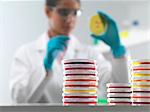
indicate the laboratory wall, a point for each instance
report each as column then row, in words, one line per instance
column 24, row 21
column 21, row 22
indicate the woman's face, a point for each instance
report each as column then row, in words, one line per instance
column 63, row 17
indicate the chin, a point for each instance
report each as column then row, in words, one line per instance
column 67, row 33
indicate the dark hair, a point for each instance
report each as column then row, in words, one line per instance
column 53, row 3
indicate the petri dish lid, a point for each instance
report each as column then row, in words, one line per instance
column 119, row 89
column 141, row 94
column 119, row 99
column 141, row 60
column 79, row 99
column 141, row 83
column 118, row 85
column 81, row 83
column 120, row 103
column 79, row 65
column 140, row 78
column 79, row 61
column 118, row 95
column 140, row 99
column 81, row 77
column 79, row 94
column 141, row 89
column 80, row 72
column 79, row 88
column 79, row 103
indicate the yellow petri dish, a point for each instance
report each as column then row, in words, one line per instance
column 97, row 25
column 136, row 63
column 140, row 62
column 147, row 75
column 140, row 86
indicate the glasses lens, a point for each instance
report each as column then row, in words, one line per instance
column 67, row 12
column 63, row 12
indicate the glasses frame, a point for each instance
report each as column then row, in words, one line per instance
column 74, row 12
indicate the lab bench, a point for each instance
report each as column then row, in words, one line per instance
column 60, row 108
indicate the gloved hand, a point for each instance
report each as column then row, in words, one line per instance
column 111, row 36
column 54, row 47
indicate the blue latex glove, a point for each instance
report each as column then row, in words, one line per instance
column 111, row 36
column 54, row 47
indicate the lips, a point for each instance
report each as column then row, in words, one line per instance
column 66, row 30
column 67, row 27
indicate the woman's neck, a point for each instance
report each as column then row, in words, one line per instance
column 52, row 33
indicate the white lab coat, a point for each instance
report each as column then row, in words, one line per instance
column 29, row 83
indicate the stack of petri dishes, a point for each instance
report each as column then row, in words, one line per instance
column 80, row 82
column 140, row 80
column 119, row 94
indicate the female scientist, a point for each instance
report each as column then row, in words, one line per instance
column 36, row 73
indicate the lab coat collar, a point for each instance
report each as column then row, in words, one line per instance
column 42, row 42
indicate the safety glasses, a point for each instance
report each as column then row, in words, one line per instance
column 64, row 12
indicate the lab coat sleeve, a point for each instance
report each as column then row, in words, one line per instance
column 26, row 84
column 120, row 69
column 104, row 69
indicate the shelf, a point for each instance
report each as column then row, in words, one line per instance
column 60, row 108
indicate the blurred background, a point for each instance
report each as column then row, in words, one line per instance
column 22, row 21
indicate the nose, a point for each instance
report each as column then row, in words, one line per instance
column 70, row 18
